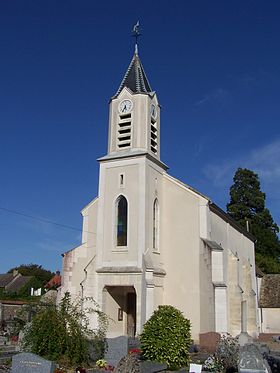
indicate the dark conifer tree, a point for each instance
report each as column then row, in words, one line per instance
column 247, row 207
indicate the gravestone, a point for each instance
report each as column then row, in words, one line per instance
column 274, row 362
column 251, row 360
column 129, row 363
column 117, row 349
column 31, row 363
column 152, row 367
column 132, row 364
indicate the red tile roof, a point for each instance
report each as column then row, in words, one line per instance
column 54, row 282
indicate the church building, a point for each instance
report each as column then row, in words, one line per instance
column 149, row 239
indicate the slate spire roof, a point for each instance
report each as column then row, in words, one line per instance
column 135, row 78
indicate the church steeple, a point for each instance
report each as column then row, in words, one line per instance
column 135, row 77
column 134, row 121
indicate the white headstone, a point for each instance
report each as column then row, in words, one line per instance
column 195, row 368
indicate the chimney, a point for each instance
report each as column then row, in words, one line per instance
column 15, row 272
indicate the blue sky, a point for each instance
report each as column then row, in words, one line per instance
column 214, row 64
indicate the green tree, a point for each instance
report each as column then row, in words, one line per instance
column 41, row 274
column 63, row 333
column 247, row 207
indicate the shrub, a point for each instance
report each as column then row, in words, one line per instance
column 166, row 337
column 63, row 333
column 227, row 352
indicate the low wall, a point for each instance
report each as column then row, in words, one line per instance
column 265, row 337
column 209, row 341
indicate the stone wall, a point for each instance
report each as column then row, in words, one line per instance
column 209, row 341
column 265, row 337
column 8, row 311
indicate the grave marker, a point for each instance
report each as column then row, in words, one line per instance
column 30, row 363
column 251, row 360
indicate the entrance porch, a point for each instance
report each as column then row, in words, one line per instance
column 119, row 303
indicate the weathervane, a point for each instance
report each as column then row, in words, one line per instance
column 136, row 34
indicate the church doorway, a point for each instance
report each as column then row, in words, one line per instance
column 120, row 306
column 131, row 314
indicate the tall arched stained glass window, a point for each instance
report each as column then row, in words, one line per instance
column 156, row 225
column 122, row 221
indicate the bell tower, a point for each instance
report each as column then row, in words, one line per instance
column 134, row 119
column 129, row 201
column 131, row 171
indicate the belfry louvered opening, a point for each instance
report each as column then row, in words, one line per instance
column 124, row 131
column 154, row 136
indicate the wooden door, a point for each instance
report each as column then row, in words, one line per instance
column 131, row 314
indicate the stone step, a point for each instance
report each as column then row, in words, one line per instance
column 7, row 355
column 7, row 348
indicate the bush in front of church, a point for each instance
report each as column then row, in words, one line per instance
column 63, row 333
column 166, row 337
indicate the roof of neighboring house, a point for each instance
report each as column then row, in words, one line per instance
column 54, row 282
column 270, row 291
column 5, row 279
column 18, row 283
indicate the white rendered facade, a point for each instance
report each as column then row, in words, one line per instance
column 178, row 248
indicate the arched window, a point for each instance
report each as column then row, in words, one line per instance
column 156, row 225
column 122, row 221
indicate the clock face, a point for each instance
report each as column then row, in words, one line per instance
column 153, row 111
column 125, row 106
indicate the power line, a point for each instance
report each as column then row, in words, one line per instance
column 42, row 220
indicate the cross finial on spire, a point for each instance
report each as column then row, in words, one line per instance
column 136, row 34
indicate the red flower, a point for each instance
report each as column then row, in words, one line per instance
column 80, row 370
column 109, row 367
column 136, row 351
